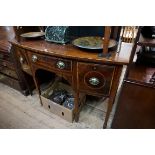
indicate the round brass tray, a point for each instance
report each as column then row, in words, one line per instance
column 32, row 34
column 92, row 43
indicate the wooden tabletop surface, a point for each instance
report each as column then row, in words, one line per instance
column 72, row 52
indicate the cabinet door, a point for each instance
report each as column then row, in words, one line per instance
column 136, row 107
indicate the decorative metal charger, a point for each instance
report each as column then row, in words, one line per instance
column 94, row 43
column 32, row 34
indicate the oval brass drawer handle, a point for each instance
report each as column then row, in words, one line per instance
column 34, row 58
column 94, row 81
column 61, row 65
column 21, row 59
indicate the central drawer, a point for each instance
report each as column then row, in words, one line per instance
column 95, row 79
column 55, row 63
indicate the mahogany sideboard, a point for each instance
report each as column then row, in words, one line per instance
column 86, row 72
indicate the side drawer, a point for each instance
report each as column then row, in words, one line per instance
column 95, row 79
column 50, row 62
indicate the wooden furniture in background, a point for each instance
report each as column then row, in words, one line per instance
column 136, row 104
column 85, row 71
column 136, row 107
column 10, row 74
column 128, row 33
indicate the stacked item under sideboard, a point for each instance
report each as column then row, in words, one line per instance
column 57, row 96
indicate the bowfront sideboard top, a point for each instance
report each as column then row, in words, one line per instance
column 69, row 51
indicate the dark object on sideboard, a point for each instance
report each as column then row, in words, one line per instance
column 57, row 34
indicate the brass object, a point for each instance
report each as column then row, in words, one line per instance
column 32, row 34
column 34, row 58
column 92, row 42
column 60, row 64
column 94, row 81
column 21, row 60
